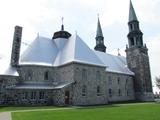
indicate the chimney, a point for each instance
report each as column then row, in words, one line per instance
column 16, row 46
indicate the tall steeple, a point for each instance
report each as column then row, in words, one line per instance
column 99, row 38
column 138, row 59
column 132, row 14
column 135, row 36
column 99, row 29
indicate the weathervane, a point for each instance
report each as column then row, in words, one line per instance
column 98, row 15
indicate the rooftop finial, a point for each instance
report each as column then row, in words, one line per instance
column 98, row 15
column 38, row 35
column 119, row 52
column 62, row 27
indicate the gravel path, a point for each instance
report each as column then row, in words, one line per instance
column 5, row 116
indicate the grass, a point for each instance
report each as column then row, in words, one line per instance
column 136, row 111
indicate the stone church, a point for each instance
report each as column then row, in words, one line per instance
column 63, row 70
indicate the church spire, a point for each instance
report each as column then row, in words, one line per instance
column 99, row 39
column 99, row 29
column 135, row 36
column 132, row 14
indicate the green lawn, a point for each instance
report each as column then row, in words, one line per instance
column 136, row 111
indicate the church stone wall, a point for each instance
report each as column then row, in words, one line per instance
column 56, row 75
column 65, row 73
column 5, row 83
column 36, row 73
column 120, row 87
column 91, row 85
column 86, row 82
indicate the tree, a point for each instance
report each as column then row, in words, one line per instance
column 158, row 82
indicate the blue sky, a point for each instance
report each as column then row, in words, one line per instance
column 44, row 17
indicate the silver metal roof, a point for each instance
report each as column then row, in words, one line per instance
column 41, row 86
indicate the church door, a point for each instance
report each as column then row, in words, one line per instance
column 67, row 97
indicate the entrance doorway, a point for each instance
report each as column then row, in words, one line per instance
column 67, row 97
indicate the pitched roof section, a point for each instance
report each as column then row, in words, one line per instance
column 115, row 64
column 99, row 29
column 84, row 54
column 132, row 14
column 6, row 69
column 42, row 51
column 61, row 51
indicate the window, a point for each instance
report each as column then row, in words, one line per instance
column 119, row 92
column 127, row 92
column 131, row 27
column 41, row 95
column 98, row 75
column 101, row 41
column 127, row 81
column 33, row 95
column 110, row 92
column 110, row 80
column 84, row 90
column 25, row 95
column 97, row 41
column 132, row 41
column 118, row 80
column 29, row 75
column 141, row 42
column 46, row 75
column 126, row 84
column 98, row 90
column 84, row 74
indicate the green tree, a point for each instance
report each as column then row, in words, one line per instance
column 158, row 82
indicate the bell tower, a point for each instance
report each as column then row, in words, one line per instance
column 138, row 59
column 99, row 39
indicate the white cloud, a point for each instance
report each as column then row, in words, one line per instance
column 154, row 52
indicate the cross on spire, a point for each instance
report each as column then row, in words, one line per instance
column 119, row 52
column 62, row 27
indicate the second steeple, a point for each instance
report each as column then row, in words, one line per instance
column 99, row 39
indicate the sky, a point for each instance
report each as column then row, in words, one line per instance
column 43, row 17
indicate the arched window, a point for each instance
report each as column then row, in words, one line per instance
column 29, row 75
column 127, row 92
column 84, row 74
column 110, row 92
column 41, row 95
column 98, row 75
column 98, row 90
column 132, row 41
column 119, row 92
column 110, row 80
column 25, row 95
column 46, row 75
column 84, row 90
column 118, row 80
column 33, row 95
